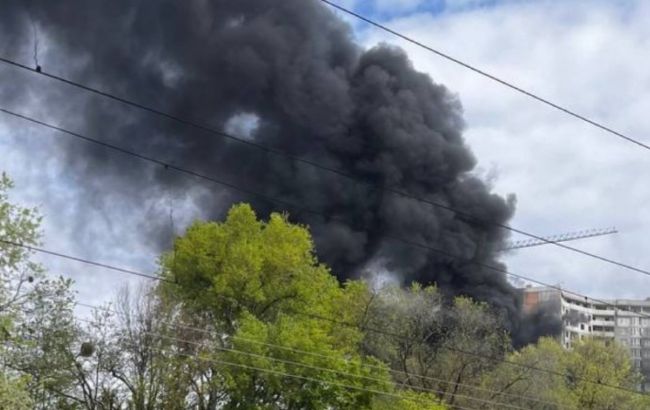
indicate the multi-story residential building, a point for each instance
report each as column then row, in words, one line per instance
column 623, row 320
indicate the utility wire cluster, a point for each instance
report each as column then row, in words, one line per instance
column 535, row 239
column 256, row 194
column 470, row 218
column 200, row 345
column 347, row 324
column 306, row 353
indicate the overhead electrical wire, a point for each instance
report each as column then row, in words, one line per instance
column 469, row 218
column 259, row 195
column 342, row 173
column 314, row 354
column 487, row 75
column 336, row 321
column 38, row 249
column 269, row 199
column 300, row 377
column 319, row 368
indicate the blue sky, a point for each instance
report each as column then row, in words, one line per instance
column 389, row 9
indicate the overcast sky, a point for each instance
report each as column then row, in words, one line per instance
column 591, row 56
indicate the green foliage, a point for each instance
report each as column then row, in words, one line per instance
column 23, row 289
column 13, row 394
column 245, row 264
column 17, row 272
column 36, row 315
column 260, row 281
column 424, row 338
column 569, row 380
column 605, row 363
column 17, row 224
column 408, row 400
column 46, row 340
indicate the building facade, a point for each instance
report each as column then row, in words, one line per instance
column 626, row 321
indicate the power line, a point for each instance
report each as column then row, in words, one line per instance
column 268, row 198
column 317, row 354
column 487, row 75
column 347, row 324
column 320, row 368
column 306, row 378
column 297, row 159
column 82, row 260
column 275, row 200
column 319, row 317
column 469, row 218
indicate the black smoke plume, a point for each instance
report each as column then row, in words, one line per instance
column 289, row 75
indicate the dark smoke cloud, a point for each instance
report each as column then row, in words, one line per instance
column 292, row 65
column 575, row 317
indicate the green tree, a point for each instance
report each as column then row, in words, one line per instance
column 408, row 400
column 18, row 225
column 142, row 337
column 260, row 281
column 575, row 378
column 13, row 394
column 431, row 344
column 604, row 363
column 40, row 353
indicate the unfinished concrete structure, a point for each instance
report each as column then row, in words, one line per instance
column 626, row 321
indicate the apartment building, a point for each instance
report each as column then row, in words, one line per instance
column 626, row 321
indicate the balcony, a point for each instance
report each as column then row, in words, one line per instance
column 603, row 334
column 603, row 323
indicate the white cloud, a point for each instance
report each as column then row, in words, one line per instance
column 398, row 6
column 591, row 57
column 464, row 4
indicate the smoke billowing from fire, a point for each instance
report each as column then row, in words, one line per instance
column 286, row 74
